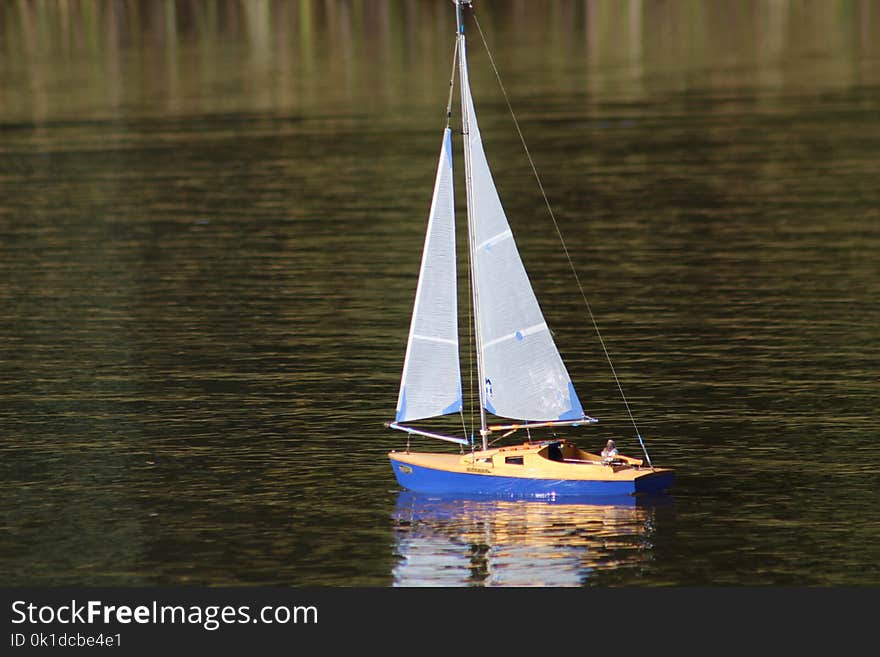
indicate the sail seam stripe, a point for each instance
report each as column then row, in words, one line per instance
column 497, row 238
column 537, row 328
column 431, row 338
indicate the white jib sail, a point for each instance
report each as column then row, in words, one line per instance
column 431, row 381
column 523, row 374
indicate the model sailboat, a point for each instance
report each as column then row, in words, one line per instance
column 520, row 372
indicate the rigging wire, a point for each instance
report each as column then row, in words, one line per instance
column 451, row 84
column 561, row 239
column 470, row 322
column 470, row 367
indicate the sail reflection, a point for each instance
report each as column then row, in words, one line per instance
column 444, row 541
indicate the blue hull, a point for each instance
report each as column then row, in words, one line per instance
column 440, row 482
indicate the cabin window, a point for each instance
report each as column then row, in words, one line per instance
column 513, row 460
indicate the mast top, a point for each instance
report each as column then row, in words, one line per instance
column 458, row 15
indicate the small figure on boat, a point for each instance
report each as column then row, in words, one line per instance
column 609, row 452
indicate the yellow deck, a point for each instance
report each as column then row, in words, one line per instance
column 533, row 461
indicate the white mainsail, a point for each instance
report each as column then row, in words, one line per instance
column 523, row 374
column 431, row 381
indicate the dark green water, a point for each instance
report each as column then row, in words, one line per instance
column 210, row 228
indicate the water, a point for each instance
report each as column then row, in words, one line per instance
column 210, row 226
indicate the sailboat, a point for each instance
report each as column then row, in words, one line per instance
column 522, row 379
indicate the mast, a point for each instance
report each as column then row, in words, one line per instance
column 464, row 83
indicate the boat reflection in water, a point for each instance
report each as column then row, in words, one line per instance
column 446, row 541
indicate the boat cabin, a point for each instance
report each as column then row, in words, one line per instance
column 536, row 455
